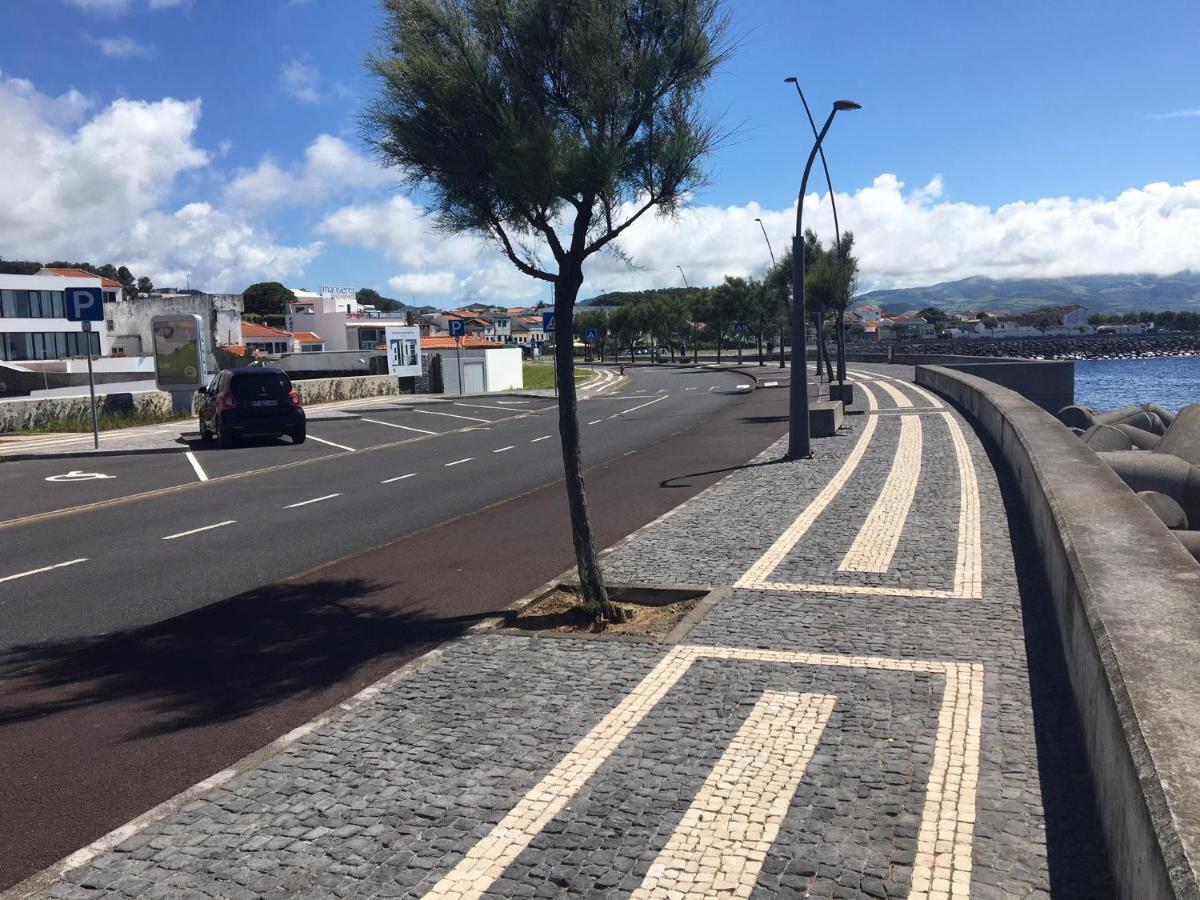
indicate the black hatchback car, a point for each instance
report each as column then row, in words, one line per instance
column 252, row 401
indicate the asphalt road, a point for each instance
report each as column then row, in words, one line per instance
column 172, row 651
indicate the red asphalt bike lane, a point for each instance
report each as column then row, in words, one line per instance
column 95, row 732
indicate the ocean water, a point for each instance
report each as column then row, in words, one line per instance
column 1171, row 381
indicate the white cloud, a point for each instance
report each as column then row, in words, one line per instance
column 904, row 238
column 330, row 167
column 121, row 46
column 117, row 7
column 1178, row 114
column 424, row 284
column 95, row 188
column 301, row 80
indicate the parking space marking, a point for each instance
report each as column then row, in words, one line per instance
column 502, row 449
column 481, row 406
column 313, row 500
column 430, row 412
column 61, row 565
column 171, row 537
column 313, row 437
column 399, row 478
column 405, row 427
column 458, row 462
column 191, row 457
column 544, row 437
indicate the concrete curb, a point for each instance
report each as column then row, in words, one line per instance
column 1125, row 596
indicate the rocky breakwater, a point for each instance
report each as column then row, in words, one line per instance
column 1099, row 346
column 1156, row 453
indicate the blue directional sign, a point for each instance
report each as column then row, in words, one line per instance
column 739, row 327
column 548, row 322
column 457, row 328
column 590, row 334
column 84, row 304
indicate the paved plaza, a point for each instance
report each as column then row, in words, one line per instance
column 876, row 706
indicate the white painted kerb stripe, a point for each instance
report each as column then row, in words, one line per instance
column 171, row 537
column 61, row 565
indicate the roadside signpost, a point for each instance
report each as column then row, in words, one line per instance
column 458, row 330
column 179, row 358
column 739, row 328
column 86, row 305
column 404, row 351
column 548, row 328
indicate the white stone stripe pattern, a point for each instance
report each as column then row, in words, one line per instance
column 720, row 845
column 898, row 397
column 877, row 539
column 968, row 569
column 949, row 801
column 769, row 561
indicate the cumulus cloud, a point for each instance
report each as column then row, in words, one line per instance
column 1177, row 114
column 117, row 7
column 424, row 284
column 95, row 188
column 121, row 46
column 905, row 238
column 301, row 80
column 330, row 167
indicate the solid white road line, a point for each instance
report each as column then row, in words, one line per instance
column 481, row 406
column 405, row 427
column 313, row 500
column 642, row 405
column 544, row 437
column 191, row 457
column 399, row 478
column 61, row 565
column 595, row 421
column 313, row 437
column 171, row 537
column 458, row 462
column 430, row 412
column 502, row 449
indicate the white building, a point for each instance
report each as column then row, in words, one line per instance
column 33, row 319
column 340, row 321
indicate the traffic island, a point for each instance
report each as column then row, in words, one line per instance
column 654, row 612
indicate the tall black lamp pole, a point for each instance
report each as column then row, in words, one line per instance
column 799, row 438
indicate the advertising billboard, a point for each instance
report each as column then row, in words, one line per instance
column 404, row 351
column 178, row 352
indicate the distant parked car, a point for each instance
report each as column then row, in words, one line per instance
column 252, row 401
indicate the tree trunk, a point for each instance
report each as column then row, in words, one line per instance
column 760, row 359
column 591, row 581
column 841, row 347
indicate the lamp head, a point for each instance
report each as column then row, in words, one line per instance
column 790, row 80
column 843, row 105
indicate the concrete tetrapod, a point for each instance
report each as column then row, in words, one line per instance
column 1160, row 472
column 1139, row 437
column 1107, row 437
column 1183, row 437
column 1170, row 512
column 1164, row 414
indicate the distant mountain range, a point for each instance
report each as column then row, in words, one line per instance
column 1099, row 293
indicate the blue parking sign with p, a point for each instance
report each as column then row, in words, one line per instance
column 84, row 304
column 548, row 322
column 457, row 328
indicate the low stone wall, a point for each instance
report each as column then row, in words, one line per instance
column 326, row 390
column 1127, row 599
column 43, row 412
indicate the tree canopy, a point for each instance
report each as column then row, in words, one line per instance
column 267, row 298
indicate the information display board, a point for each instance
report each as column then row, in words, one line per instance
column 178, row 352
column 404, row 351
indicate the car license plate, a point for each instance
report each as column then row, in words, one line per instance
column 263, row 403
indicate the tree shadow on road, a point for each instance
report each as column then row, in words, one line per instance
column 679, row 481
column 221, row 662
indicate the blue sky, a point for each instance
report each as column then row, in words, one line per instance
column 1001, row 139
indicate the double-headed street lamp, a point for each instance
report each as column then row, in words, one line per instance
column 799, row 438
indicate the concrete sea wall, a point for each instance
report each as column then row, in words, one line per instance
column 1127, row 599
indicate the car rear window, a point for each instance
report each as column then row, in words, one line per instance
column 247, row 386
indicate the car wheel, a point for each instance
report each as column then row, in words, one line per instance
column 205, row 434
column 299, row 436
column 224, row 439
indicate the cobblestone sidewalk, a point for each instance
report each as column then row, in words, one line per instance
column 877, row 708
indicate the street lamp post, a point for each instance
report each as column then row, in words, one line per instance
column 799, row 437
column 782, row 357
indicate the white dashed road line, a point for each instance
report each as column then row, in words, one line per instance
column 405, row 427
column 544, row 437
column 458, row 462
column 430, row 412
column 191, row 457
column 399, row 478
column 171, row 537
column 640, row 406
column 61, row 565
column 595, row 421
column 502, row 449
column 313, row 500
column 313, row 437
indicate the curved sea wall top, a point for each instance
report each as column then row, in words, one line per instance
column 1127, row 599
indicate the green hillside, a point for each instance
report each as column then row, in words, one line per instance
column 1099, row 293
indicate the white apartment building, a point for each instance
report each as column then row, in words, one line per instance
column 33, row 320
column 340, row 321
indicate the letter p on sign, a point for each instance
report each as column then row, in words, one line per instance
column 84, row 304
